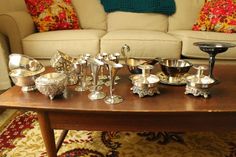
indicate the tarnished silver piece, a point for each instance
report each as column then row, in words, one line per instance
column 199, row 84
column 145, row 84
column 51, row 84
column 213, row 48
column 113, row 69
column 24, row 70
column 62, row 62
column 174, row 69
column 95, row 94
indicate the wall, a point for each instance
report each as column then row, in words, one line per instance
column 11, row 5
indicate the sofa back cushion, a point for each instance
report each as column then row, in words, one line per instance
column 136, row 21
column 91, row 14
column 187, row 11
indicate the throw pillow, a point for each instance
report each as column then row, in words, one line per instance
column 140, row 6
column 51, row 15
column 217, row 15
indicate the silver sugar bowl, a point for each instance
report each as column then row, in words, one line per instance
column 51, row 84
column 199, row 84
column 145, row 84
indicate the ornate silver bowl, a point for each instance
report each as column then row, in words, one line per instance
column 24, row 70
column 51, row 84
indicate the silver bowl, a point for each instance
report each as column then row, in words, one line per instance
column 20, row 61
column 174, row 67
column 24, row 70
column 133, row 64
column 51, row 84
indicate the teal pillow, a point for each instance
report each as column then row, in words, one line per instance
column 140, row 6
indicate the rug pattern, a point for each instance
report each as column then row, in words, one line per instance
column 22, row 137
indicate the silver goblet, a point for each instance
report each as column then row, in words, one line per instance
column 113, row 69
column 95, row 89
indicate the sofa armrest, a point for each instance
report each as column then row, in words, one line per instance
column 4, row 52
column 16, row 26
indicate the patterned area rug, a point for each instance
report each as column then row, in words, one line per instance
column 22, row 138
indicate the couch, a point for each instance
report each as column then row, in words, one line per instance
column 149, row 35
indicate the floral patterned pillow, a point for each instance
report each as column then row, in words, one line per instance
column 217, row 15
column 51, row 15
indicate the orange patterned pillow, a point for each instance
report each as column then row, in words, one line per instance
column 217, row 15
column 51, row 15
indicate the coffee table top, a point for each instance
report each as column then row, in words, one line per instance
column 171, row 99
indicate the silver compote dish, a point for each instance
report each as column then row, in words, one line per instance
column 199, row 84
column 24, row 70
column 51, row 84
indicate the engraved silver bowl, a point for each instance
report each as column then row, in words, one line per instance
column 24, row 70
column 51, row 84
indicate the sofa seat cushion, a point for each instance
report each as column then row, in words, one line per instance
column 188, row 37
column 72, row 42
column 145, row 44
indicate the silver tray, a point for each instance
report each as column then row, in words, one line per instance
column 176, row 81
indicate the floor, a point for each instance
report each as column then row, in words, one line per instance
column 6, row 115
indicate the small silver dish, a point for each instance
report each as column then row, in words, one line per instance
column 24, row 70
column 174, row 68
column 51, row 84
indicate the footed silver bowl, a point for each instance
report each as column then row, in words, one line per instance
column 51, row 84
column 24, row 70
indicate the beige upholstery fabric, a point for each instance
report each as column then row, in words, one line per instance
column 72, row 42
column 91, row 14
column 4, row 52
column 136, row 21
column 16, row 25
column 187, row 12
column 188, row 37
column 147, row 44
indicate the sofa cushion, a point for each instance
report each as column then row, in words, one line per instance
column 187, row 12
column 53, row 15
column 136, row 21
column 188, row 37
column 91, row 14
column 218, row 16
column 145, row 44
column 72, row 42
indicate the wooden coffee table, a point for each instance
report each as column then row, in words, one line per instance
column 171, row 110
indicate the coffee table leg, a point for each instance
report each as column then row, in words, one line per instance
column 47, row 133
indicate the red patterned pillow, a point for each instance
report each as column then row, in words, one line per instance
column 217, row 15
column 51, row 15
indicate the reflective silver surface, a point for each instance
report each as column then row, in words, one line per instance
column 24, row 70
column 174, row 67
column 145, row 83
column 51, row 84
column 199, row 84
column 64, row 63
